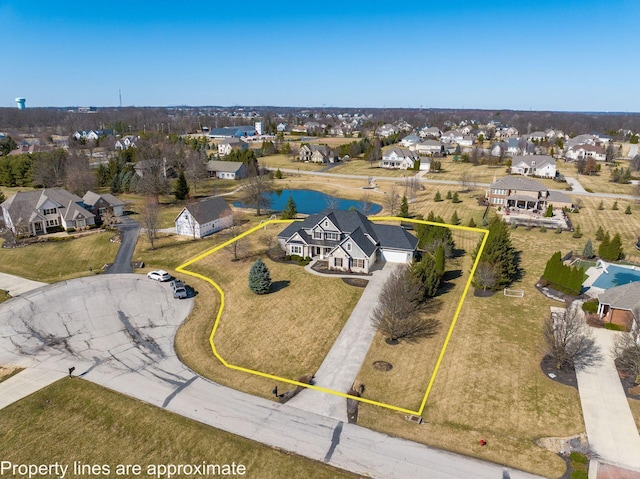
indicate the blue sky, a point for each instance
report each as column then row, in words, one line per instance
column 545, row 55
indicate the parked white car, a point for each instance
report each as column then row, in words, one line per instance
column 159, row 275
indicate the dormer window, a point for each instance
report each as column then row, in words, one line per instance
column 49, row 211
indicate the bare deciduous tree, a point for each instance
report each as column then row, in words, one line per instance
column 392, row 200
column 568, row 339
column 256, row 188
column 365, row 204
column 149, row 218
column 234, row 230
column 154, row 179
column 195, row 169
column 411, row 187
column 332, row 200
column 400, row 315
column 79, row 177
column 627, row 353
column 486, row 276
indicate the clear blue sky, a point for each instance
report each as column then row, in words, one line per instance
column 544, row 55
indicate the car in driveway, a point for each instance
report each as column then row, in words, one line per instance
column 179, row 289
column 159, row 275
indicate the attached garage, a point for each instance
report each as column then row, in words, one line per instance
column 392, row 256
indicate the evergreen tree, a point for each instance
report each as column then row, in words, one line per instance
column 628, row 210
column 426, row 274
column 603, row 249
column 472, row 223
column 578, row 232
column 278, row 174
column 404, row 208
column 615, row 205
column 549, row 212
column 449, row 196
column 455, row 220
column 440, row 260
column 601, row 205
column 456, row 198
column 599, row 234
column 587, row 251
column 290, row 211
column 437, row 197
column 615, row 248
column 552, row 269
column 259, row 277
column 500, row 253
column 181, row 187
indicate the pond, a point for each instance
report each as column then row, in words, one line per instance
column 311, row 201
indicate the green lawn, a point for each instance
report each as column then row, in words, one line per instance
column 75, row 420
column 60, row 260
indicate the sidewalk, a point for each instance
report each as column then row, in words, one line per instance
column 340, row 367
column 25, row 383
column 16, row 285
column 611, row 430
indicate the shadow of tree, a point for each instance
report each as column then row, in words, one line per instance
column 279, row 285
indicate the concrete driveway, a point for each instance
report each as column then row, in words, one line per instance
column 118, row 331
column 17, row 285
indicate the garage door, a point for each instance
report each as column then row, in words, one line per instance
column 394, row 256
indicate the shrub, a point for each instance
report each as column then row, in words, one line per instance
column 579, row 475
column 71, row 230
column 578, row 458
column 558, row 231
column 615, row 205
column 613, row 327
column 590, row 306
column 449, row 195
column 437, row 197
column 601, row 205
column 578, row 232
column 543, row 229
column 628, row 210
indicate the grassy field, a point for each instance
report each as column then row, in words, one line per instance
column 413, row 363
column 75, row 420
column 59, row 260
column 634, row 404
column 284, row 161
column 363, row 168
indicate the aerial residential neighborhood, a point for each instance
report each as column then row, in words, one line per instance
column 384, row 241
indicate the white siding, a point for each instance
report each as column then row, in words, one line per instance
column 395, row 256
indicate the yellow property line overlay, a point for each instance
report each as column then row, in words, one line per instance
column 181, row 269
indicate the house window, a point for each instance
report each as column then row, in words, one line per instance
column 337, row 262
column 53, row 222
column 50, row 211
column 317, row 234
column 348, row 246
column 102, row 211
column 295, row 249
column 331, row 236
column 358, row 263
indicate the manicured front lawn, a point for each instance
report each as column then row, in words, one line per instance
column 75, row 420
column 364, row 168
column 59, row 260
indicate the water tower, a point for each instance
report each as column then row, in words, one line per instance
column 21, row 103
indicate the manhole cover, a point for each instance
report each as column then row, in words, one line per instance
column 383, row 366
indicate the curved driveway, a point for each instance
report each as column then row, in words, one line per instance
column 118, row 331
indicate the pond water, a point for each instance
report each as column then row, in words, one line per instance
column 311, row 201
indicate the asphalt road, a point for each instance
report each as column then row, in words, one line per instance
column 118, row 331
column 130, row 230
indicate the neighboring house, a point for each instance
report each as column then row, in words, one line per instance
column 232, row 131
column 633, row 151
column 387, row 130
column 525, row 194
column 410, row 140
column 348, row 241
column 23, row 149
column 399, row 158
column 466, row 141
column 452, row 136
column 317, row 154
column 125, row 142
column 504, row 132
column 430, row 147
column 585, row 139
column 430, row 132
column 538, row 136
column 585, row 151
column 154, row 166
column 227, row 146
column 204, row 218
column 281, row 128
column 92, row 134
column 227, row 170
column 534, row 165
column 621, row 305
column 102, row 204
column 42, row 211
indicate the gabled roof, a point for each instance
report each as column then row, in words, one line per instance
column 208, row 210
column 400, row 152
column 224, row 166
column 518, row 183
column 626, row 297
column 395, row 237
column 367, row 246
column 25, row 204
column 557, row 196
column 540, row 160
column 90, row 199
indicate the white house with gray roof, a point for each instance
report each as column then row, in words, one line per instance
column 44, row 211
column 534, row 165
column 399, row 158
column 347, row 241
column 227, row 170
column 204, row 218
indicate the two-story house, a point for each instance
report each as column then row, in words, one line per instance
column 399, row 158
column 524, row 194
column 317, row 154
column 348, row 241
column 534, row 165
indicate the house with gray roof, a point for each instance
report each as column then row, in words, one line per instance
column 204, row 218
column 103, row 204
column 317, row 154
column 621, row 305
column 227, row 146
column 347, row 241
column 228, row 170
column 44, row 211
column 522, row 193
column 534, row 165
column 399, row 158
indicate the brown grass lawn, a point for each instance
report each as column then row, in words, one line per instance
column 363, row 168
column 284, row 161
column 59, row 260
column 598, row 183
column 490, row 384
column 75, row 420
column 279, row 333
column 634, row 404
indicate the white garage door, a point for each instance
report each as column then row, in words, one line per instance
column 394, row 256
